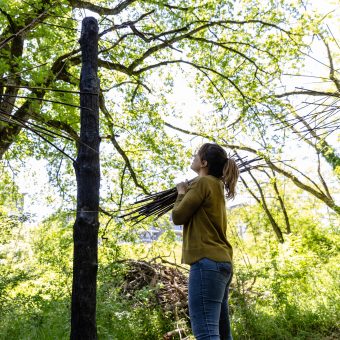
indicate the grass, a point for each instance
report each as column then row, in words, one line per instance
column 294, row 310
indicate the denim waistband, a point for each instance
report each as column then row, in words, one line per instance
column 209, row 264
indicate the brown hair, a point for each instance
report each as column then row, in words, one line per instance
column 220, row 166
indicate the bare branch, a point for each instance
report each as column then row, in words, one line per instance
column 297, row 182
column 5, row 117
column 23, row 124
column 320, row 144
column 309, row 93
column 44, row 88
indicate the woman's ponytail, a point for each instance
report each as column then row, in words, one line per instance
column 230, row 177
column 220, row 166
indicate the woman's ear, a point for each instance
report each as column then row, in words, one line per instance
column 204, row 164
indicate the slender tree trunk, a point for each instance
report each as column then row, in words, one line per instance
column 85, row 232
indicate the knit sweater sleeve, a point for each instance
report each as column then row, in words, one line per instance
column 187, row 204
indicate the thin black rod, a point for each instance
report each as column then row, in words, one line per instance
column 46, row 89
column 47, row 131
column 47, row 100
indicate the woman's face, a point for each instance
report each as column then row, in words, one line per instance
column 196, row 164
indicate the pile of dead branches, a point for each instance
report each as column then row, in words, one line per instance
column 166, row 284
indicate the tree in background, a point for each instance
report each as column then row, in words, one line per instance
column 233, row 55
column 236, row 52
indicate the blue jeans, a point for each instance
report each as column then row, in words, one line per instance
column 208, row 299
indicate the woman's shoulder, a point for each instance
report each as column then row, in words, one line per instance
column 205, row 181
column 209, row 179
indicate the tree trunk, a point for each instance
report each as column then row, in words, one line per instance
column 87, row 169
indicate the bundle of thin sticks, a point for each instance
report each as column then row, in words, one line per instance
column 160, row 203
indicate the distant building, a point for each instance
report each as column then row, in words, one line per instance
column 154, row 233
column 150, row 235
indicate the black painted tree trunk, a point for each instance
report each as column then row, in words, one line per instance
column 87, row 169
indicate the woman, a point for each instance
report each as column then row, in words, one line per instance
column 200, row 207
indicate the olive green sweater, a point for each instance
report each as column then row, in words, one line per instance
column 202, row 212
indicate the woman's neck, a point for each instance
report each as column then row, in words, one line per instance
column 203, row 172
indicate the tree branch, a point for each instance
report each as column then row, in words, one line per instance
column 8, row 98
column 263, row 204
column 179, row 8
column 320, row 145
column 57, row 124
column 318, row 194
column 114, row 66
column 331, row 68
column 309, row 93
column 223, row 45
column 29, row 24
column 205, row 24
column 99, row 9
column 10, row 20
column 281, row 201
column 199, row 67
column 321, row 177
column 117, row 146
column 8, row 133
column 130, row 24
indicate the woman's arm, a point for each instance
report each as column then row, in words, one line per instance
column 187, row 204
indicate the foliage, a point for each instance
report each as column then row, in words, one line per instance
column 279, row 291
column 289, row 290
column 233, row 55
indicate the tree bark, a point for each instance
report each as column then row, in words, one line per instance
column 87, row 169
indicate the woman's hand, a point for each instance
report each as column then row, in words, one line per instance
column 182, row 187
